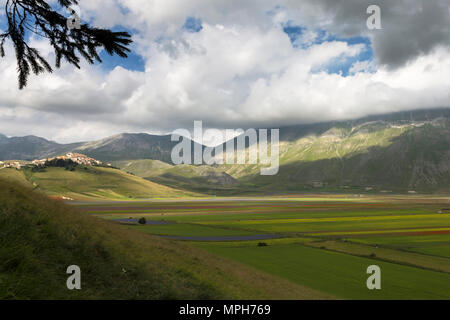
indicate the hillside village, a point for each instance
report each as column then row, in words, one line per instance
column 76, row 158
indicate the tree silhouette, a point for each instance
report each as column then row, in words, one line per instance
column 27, row 17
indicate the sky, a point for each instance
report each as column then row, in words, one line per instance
column 236, row 64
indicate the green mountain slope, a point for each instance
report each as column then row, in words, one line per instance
column 204, row 179
column 41, row 238
column 129, row 146
column 396, row 153
column 144, row 168
column 379, row 155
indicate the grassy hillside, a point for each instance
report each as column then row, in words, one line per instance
column 91, row 183
column 203, row 179
column 42, row 237
column 144, row 168
column 16, row 176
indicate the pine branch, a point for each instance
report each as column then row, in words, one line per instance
column 27, row 17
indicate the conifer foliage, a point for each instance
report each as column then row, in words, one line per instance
column 36, row 17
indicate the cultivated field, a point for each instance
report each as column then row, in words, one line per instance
column 322, row 242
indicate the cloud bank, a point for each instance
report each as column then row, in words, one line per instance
column 233, row 64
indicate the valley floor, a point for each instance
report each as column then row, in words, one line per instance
column 320, row 242
column 41, row 238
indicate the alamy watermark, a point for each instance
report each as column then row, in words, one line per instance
column 374, row 20
column 374, row 281
column 233, row 151
column 74, row 281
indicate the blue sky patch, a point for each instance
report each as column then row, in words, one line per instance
column 134, row 62
column 340, row 65
column 293, row 32
column 343, row 65
column 193, row 24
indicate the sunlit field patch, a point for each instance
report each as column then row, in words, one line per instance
column 342, row 226
column 337, row 273
column 435, row 250
column 436, row 244
column 189, row 230
column 390, row 232
column 434, row 263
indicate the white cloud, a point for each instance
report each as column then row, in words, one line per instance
column 362, row 66
column 241, row 70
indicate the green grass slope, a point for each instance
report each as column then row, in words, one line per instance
column 92, row 183
column 203, row 179
column 40, row 238
column 145, row 168
column 14, row 175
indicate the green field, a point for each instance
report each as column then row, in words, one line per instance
column 442, row 250
column 324, row 243
column 189, row 230
column 339, row 274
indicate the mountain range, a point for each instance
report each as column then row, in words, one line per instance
column 403, row 151
column 119, row 147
